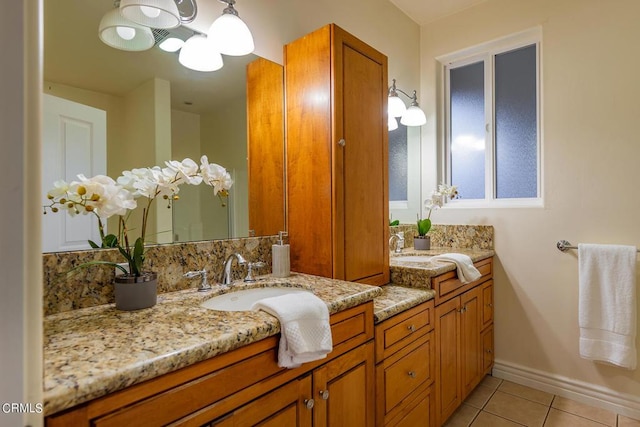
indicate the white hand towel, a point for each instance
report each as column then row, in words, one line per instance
column 305, row 332
column 607, row 303
column 467, row 272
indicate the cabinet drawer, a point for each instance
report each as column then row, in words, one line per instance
column 448, row 285
column 419, row 410
column 401, row 374
column 183, row 400
column 401, row 330
column 487, row 303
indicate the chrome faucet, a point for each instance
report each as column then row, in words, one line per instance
column 204, row 284
column 399, row 239
column 226, row 275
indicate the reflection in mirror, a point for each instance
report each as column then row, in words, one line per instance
column 155, row 110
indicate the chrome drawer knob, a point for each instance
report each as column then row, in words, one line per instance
column 411, row 328
column 412, row 374
column 309, row 403
column 324, row 394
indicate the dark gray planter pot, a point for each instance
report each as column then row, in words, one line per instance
column 422, row 243
column 136, row 293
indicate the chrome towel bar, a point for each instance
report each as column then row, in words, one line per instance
column 564, row 246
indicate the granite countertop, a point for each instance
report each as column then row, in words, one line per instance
column 418, row 273
column 94, row 351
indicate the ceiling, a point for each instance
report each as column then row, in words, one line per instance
column 425, row 11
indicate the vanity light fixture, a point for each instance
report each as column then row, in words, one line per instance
column 199, row 54
column 230, row 34
column 116, row 31
column 412, row 116
column 151, row 13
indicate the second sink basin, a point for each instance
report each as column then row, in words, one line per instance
column 242, row 300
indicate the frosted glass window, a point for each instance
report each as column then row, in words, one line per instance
column 467, row 129
column 492, row 141
column 516, row 151
column 398, row 164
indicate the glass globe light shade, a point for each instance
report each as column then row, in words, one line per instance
column 199, row 54
column 114, row 31
column 151, row 13
column 392, row 123
column 414, row 116
column 231, row 36
column 396, row 106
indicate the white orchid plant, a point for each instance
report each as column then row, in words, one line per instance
column 438, row 198
column 104, row 197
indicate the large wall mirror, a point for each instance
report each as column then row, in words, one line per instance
column 184, row 113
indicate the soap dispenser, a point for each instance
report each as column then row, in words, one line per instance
column 280, row 257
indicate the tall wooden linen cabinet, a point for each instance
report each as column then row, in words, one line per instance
column 337, row 157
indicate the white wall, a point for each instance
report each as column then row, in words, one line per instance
column 590, row 113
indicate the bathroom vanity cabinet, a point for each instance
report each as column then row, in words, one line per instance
column 405, row 370
column 337, row 157
column 246, row 387
column 463, row 336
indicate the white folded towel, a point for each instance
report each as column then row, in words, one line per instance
column 305, row 332
column 607, row 303
column 467, row 272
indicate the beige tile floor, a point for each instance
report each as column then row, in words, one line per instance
column 501, row 403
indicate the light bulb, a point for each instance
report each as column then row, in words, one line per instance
column 171, row 44
column 126, row 33
column 392, row 123
column 151, row 12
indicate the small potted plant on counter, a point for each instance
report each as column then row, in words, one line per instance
column 104, row 197
column 437, row 200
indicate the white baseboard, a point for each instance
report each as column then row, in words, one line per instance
column 601, row 397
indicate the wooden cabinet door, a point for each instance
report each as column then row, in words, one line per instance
column 265, row 146
column 361, row 162
column 344, row 390
column 471, row 351
column 448, row 347
column 285, row 406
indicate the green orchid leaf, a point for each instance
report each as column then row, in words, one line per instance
column 424, row 225
column 110, row 241
column 93, row 244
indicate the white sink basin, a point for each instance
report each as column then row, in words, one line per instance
column 413, row 258
column 242, row 300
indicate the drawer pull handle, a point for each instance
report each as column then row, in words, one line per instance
column 462, row 310
column 324, row 394
column 411, row 328
column 309, row 403
column 412, row 374
column 489, row 305
column 489, row 351
column 342, row 143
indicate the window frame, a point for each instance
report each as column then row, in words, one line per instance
column 486, row 53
